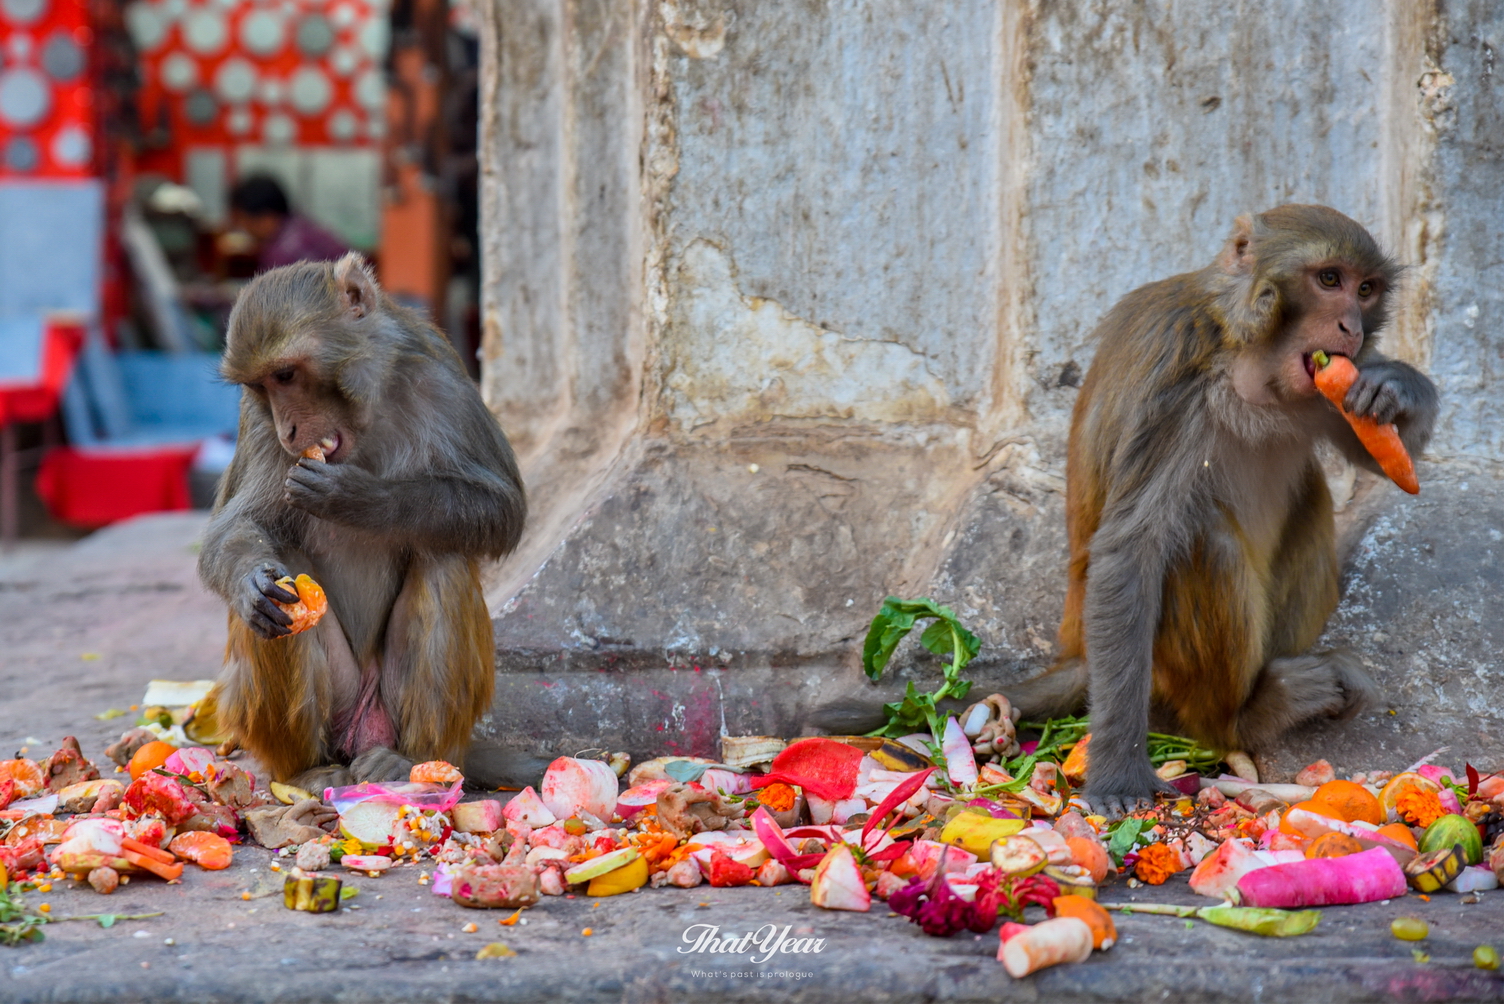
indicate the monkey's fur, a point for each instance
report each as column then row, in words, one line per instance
column 1203, row 563
column 419, row 484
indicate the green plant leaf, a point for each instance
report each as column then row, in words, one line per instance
column 1124, row 836
column 106, row 920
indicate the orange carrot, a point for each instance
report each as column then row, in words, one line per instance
column 132, row 844
column 152, row 865
column 1334, row 376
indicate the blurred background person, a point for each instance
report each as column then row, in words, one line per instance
column 259, row 207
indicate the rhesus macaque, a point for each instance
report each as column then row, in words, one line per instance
column 1203, row 562
column 418, row 482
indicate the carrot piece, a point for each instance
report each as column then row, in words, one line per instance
column 1334, row 377
column 152, row 865
column 132, row 844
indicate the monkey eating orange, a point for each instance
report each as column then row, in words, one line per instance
column 311, row 604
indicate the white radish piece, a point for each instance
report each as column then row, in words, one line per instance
column 960, row 762
column 976, row 720
column 572, row 786
column 527, row 808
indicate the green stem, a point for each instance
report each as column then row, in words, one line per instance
column 96, row 916
column 1162, row 909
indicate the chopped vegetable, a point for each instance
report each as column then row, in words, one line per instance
column 838, row 883
column 1357, row 878
column 1335, row 376
column 207, row 850
column 1048, row 943
column 1104, row 933
column 312, row 894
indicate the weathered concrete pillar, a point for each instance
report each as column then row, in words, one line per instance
column 786, row 307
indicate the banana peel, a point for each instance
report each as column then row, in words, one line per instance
column 1429, row 872
column 312, row 893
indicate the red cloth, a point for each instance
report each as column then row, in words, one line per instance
column 35, row 402
column 90, row 488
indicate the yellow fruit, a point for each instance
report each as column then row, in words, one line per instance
column 976, row 832
column 1397, row 786
column 629, row 876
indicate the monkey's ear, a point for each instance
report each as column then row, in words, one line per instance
column 358, row 291
column 1237, row 255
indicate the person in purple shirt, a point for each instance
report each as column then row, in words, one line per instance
column 259, row 206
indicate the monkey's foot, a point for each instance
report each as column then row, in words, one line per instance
column 380, row 764
column 1125, row 797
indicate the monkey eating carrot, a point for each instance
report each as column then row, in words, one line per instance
column 367, row 457
column 1203, row 562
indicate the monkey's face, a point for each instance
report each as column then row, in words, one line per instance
column 306, row 411
column 1327, row 308
column 1333, row 301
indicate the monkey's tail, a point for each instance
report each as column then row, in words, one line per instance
column 1060, row 690
column 491, row 765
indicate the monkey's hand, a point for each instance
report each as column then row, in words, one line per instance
column 341, row 493
column 255, row 603
column 1390, row 391
column 1119, row 793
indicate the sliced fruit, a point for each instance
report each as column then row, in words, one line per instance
column 25, row 774
column 435, row 772
column 976, row 831
column 1434, row 869
column 288, row 794
column 838, row 883
column 1075, row 765
column 371, row 823
column 632, row 875
column 207, row 850
column 894, row 755
column 1018, row 856
column 1091, row 855
column 366, row 862
column 150, row 756
column 1333, row 845
column 1287, row 825
column 1397, row 786
column 596, row 867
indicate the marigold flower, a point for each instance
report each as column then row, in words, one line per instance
column 1420, row 808
column 778, row 797
column 1156, row 863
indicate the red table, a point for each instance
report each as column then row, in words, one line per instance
column 32, row 399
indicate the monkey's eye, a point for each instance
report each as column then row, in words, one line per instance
column 1329, row 278
column 1365, row 290
column 285, row 376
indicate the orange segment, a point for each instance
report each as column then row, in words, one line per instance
column 151, row 756
column 1333, row 845
column 1349, row 802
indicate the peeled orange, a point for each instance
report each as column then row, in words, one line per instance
column 311, row 604
column 27, row 774
column 1350, row 802
column 151, row 756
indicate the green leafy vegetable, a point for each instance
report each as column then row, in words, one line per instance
column 1125, row 834
column 943, row 636
column 17, row 923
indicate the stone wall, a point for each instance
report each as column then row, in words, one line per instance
column 787, row 301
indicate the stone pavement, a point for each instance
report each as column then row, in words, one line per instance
column 84, row 628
